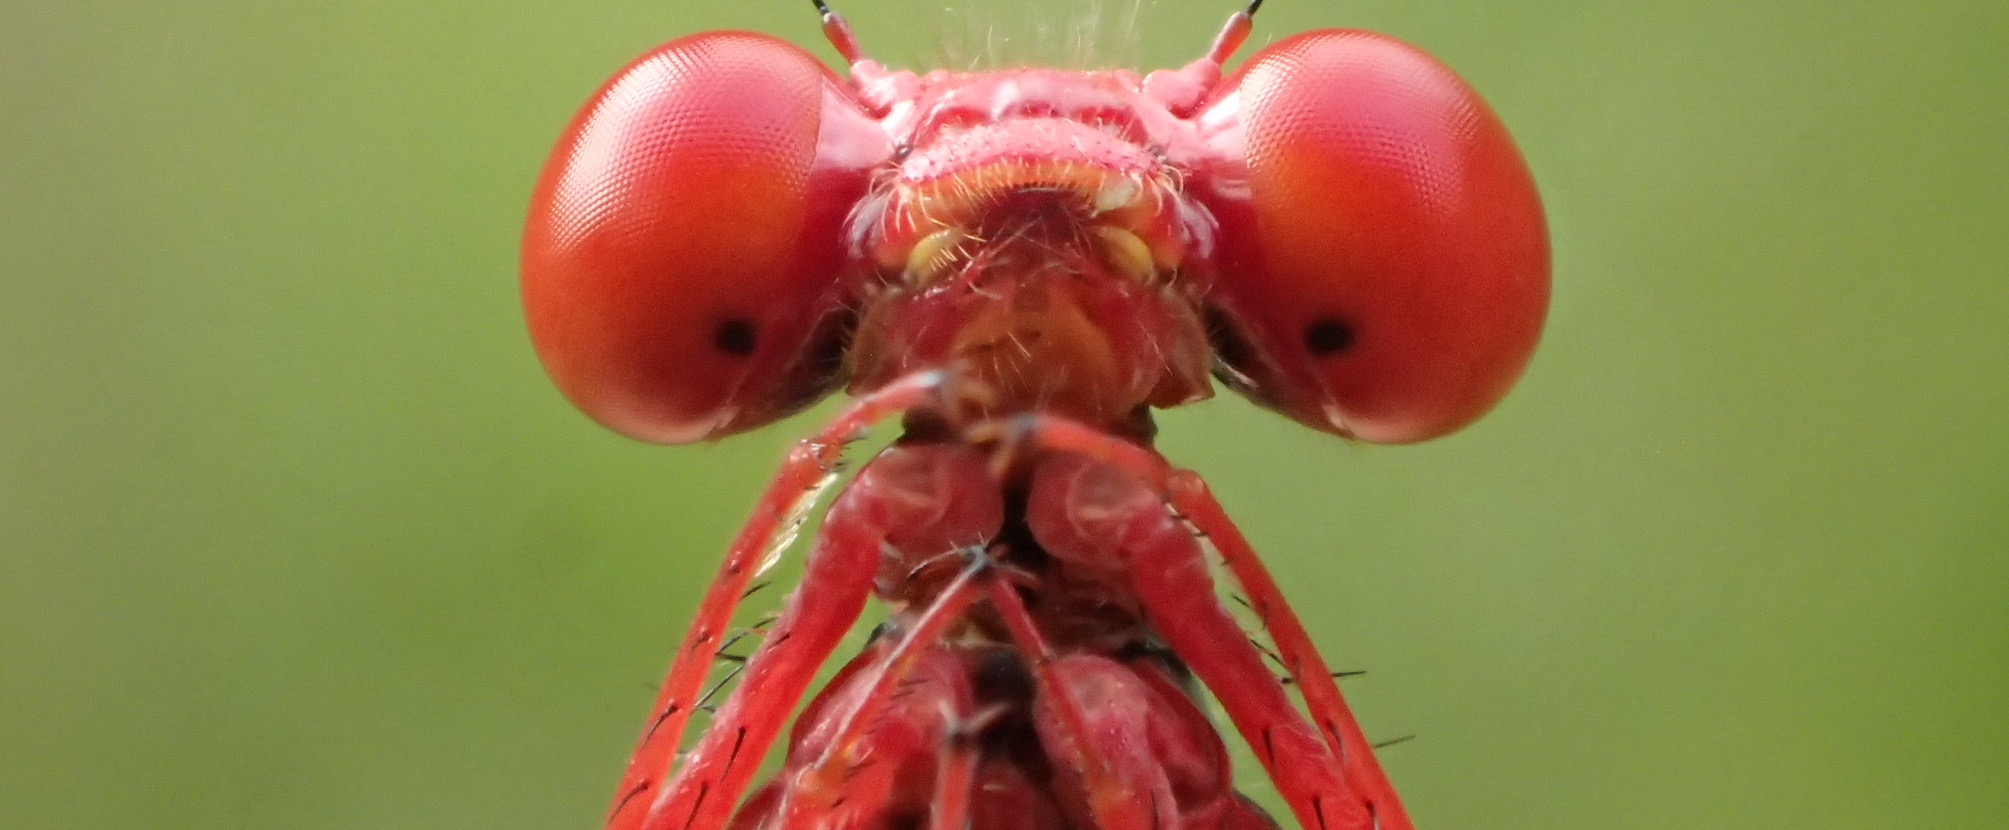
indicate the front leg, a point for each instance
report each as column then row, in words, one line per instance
column 809, row 470
column 1089, row 511
column 911, row 498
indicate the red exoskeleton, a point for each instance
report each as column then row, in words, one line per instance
column 1019, row 265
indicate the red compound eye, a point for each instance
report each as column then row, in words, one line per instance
column 1386, row 266
column 681, row 264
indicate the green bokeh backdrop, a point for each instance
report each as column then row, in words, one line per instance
column 294, row 534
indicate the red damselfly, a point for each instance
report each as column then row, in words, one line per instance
column 1019, row 266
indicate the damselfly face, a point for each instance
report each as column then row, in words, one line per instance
column 1023, row 263
column 1340, row 229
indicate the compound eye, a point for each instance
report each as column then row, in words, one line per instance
column 1386, row 265
column 682, row 261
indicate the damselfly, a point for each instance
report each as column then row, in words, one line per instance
column 1019, row 266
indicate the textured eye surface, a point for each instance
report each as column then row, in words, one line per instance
column 680, row 261
column 1386, row 263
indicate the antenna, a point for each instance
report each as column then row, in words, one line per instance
column 838, row 32
column 1232, row 36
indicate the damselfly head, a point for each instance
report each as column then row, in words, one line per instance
column 1031, row 237
column 1340, row 229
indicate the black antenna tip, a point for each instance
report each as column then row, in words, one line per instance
column 1250, row 11
column 824, row 8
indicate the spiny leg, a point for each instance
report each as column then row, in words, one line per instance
column 808, row 471
column 835, row 585
column 1085, row 511
column 908, row 505
column 1172, row 581
column 1190, row 497
column 817, row 788
column 891, row 777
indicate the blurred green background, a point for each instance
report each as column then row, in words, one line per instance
column 294, row 534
